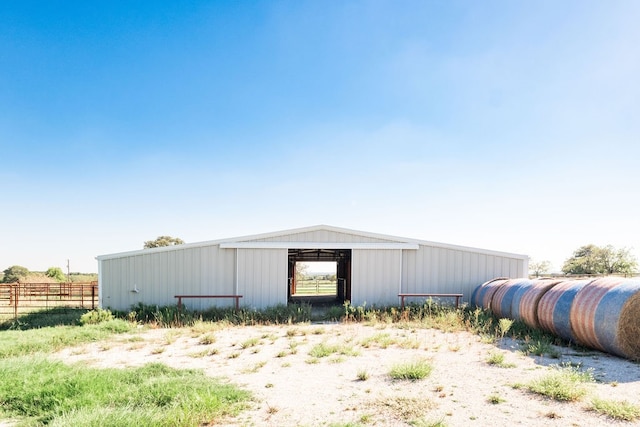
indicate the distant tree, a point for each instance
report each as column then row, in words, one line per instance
column 14, row 274
column 592, row 259
column 539, row 267
column 301, row 271
column 163, row 241
column 56, row 273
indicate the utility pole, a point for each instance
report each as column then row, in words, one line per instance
column 68, row 272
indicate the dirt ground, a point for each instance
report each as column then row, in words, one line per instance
column 292, row 388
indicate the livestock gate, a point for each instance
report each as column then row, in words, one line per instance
column 21, row 298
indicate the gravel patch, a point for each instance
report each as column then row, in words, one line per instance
column 352, row 384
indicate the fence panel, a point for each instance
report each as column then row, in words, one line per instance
column 21, row 298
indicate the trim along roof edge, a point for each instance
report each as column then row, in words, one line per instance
column 391, row 239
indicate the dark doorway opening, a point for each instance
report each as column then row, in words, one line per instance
column 325, row 295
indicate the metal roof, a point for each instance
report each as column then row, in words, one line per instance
column 250, row 241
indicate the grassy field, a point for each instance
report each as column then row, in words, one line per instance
column 35, row 390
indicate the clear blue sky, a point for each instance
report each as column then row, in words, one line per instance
column 507, row 125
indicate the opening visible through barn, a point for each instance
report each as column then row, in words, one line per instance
column 319, row 291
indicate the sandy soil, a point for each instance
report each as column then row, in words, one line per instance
column 292, row 388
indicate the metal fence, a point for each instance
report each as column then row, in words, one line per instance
column 22, row 298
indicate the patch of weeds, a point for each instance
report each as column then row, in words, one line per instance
column 318, row 331
column 251, row 342
column 312, row 361
column 336, row 359
column 539, row 348
column 382, row 340
column 268, row 385
column 495, row 399
column 96, row 316
column 407, row 409
column 282, row 354
column 503, row 326
column 325, row 350
column 366, row 418
column 255, row 368
column 207, row 339
column 272, row 410
column 454, row 348
column 136, row 346
column 286, row 365
column 563, row 384
column 617, row 410
column 362, row 375
column 496, row 358
column 158, row 350
column 334, row 313
column 409, row 344
column 411, row 371
column 234, row 355
column 171, row 336
column 199, row 354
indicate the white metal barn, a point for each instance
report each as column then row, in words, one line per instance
column 371, row 268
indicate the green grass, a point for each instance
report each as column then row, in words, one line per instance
column 50, row 339
column 411, row 371
column 495, row 399
column 324, row 350
column 362, row 375
column 565, row 384
column 382, row 340
column 58, row 316
column 617, row 410
column 251, row 342
column 496, row 358
column 40, row 391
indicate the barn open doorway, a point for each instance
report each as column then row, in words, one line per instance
column 319, row 276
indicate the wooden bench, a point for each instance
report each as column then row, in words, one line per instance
column 237, row 298
column 403, row 296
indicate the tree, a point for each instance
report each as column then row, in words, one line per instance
column 163, row 241
column 301, row 270
column 14, row 274
column 539, row 267
column 592, row 259
column 56, row 273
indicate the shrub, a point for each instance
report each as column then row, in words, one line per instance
column 96, row 316
column 618, row 410
column 411, row 371
column 564, row 384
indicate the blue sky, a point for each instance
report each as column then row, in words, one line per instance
column 503, row 125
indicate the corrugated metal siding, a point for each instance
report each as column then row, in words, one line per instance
column 375, row 276
column 439, row 270
column 324, row 236
column 262, row 277
column 161, row 275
